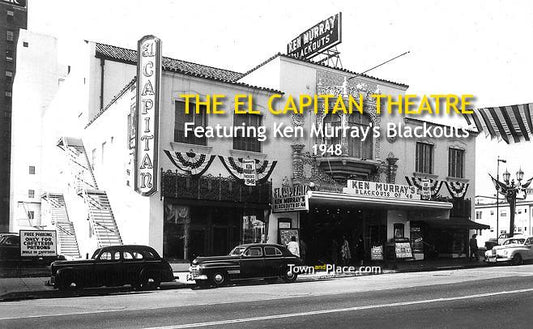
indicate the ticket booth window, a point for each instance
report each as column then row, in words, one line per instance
column 399, row 230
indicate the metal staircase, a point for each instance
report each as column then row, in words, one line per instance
column 66, row 234
column 99, row 209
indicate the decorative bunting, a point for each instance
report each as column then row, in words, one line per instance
column 235, row 168
column 435, row 185
column 194, row 163
column 457, row 189
column 512, row 123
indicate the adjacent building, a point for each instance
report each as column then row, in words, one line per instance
column 13, row 17
column 486, row 213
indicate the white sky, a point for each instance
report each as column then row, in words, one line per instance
column 478, row 47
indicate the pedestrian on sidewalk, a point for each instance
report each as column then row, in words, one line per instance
column 345, row 251
column 303, row 250
column 334, row 251
column 293, row 246
column 360, row 250
column 473, row 248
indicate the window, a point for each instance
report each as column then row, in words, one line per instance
column 247, row 142
column 93, row 158
column 198, row 120
column 9, row 55
column 9, row 35
column 254, row 252
column 356, row 147
column 31, row 194
column 456, row 162
column 492, row 212
column 478, row 214
column 126, row 255
column 31, row 214
column 331, row 121
column 503, row 214
column 424, row 158
column 106, row 255
column 272, row 251
column 7, row 93
column 31, row 170
column 148, row 255
column 10, row 13
column 25, row 44
column 399, row 230
column 103, row 151
column 9, row 73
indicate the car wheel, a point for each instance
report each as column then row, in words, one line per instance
column 517, row 260
column 149, row 280
column 288, row 275
column 219, row 278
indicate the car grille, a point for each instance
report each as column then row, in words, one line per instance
column 195, row 270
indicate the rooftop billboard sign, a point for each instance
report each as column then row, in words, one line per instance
column 319, row 38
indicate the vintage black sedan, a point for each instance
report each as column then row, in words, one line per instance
column 259, row 260
column 140, row 266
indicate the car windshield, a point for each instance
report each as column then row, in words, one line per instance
column 237, row 251
column 514, row 241
column 95, row 253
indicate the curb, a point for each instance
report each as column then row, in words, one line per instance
column 53, row 293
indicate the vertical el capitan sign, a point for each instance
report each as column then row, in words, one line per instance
column 148, row 95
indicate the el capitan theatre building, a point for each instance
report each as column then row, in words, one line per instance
column 120, row 169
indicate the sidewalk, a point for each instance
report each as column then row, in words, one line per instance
column 36, row 287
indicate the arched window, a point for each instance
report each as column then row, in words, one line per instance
column 356, row 147
column 330, row 122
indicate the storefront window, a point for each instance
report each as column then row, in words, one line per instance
column 253, row 230
column 192, row 231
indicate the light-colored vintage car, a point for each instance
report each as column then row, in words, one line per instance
column 514, row 250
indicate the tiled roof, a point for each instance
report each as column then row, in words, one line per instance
column 326, row 66
column 175, row 65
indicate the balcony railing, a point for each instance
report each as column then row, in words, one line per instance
column 212, row 188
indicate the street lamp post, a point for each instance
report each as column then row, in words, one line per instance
column 498, row 198
column 511, row 192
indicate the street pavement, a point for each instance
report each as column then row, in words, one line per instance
column 491, row 297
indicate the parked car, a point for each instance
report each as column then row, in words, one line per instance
column 258, row 260
column 139, row 266
column 505, row 236
column 491, row 243
column 513, row 250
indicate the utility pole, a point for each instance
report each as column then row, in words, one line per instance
column 498, row 198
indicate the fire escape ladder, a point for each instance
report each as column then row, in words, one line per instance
column 98, row 206
column 66, row 234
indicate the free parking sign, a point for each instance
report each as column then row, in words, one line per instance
column 37, row 243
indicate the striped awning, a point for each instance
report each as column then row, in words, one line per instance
column 513, row 123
